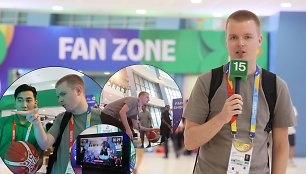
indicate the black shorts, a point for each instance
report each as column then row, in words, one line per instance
column 107, row 119
column 291, row 140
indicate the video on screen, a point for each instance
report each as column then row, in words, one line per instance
column 101, row 151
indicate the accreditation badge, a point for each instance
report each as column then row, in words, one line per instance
column 240, row 158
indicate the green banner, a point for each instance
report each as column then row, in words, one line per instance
column 46, row 98
column 194, row 52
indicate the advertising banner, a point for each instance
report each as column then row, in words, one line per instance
column 177, row 110
column 87, row 49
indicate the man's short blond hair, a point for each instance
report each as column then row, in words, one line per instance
column 242, row 16
column 72, row 80
column 142, row 93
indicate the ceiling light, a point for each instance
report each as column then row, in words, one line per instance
column 286, row 4
column 106, row 73
column 196, row 1
column 141, row 11
column 217, row 15
column 58, row 8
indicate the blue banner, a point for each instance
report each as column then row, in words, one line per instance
column 91, row 100
column 177, row 110
column 79, row 48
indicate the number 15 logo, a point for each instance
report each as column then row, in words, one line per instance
column 240, row 66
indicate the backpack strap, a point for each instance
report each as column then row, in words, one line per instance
column 215, row 82
column 269, row 88
column 53, row 157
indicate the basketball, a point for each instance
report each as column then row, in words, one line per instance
column 22, row 157
column 118, row 162
column 152, row 136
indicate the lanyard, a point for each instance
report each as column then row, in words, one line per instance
column 14, row 131
column 254, row 103
column 71, row 126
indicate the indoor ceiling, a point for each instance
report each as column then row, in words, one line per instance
column 161, row 8
column 42, row 79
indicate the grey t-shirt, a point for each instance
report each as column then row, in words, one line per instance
column 113, row 108
column 63, row 157
column 145, row 119
column 214, row 155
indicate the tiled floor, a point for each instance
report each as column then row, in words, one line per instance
column 154, row 163
column 184, row 165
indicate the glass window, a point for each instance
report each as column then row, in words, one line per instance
column 143, row 88
column 172, row 94
column 152, row 93
column 151, row 85
column 104, row 21
column 138, row 87
column 12, row 17
column 164, row 74
column 155, row 113
column 146, row 85
column 136, row 79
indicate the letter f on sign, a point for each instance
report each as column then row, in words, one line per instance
column 65, row 45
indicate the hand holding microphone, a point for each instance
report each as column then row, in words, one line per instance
column 232, row 106
column 238, row 71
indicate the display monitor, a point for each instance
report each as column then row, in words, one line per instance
column 110, row 151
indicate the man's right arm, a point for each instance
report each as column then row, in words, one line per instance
column 44, row 139
column 123, row 118
column 193, row 136
column 198, row 134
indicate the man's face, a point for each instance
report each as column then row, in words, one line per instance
column 243, row 40
column 167, row 108
column 68, row 96
column 144, row 98
column 25, row 101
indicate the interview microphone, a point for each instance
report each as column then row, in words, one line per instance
column 238, row 71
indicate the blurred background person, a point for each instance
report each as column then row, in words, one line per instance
column 166, row 132
column 145, row 121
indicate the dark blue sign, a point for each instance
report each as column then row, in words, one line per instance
column 177, row 109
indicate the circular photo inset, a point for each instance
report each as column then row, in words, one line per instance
column 42, row 113
column 147, row 103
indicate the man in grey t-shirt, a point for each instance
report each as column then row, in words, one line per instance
column 125, row 109
column 208, row 126
column 145, row 121
column 70, row 91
